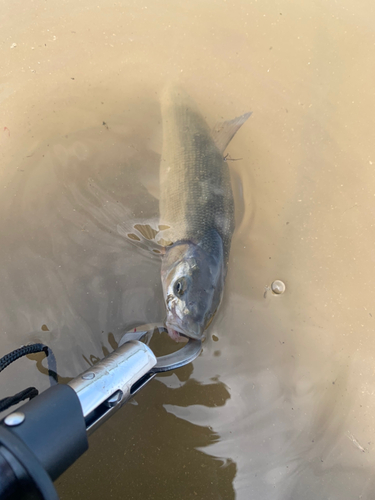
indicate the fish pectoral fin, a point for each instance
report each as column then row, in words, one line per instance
column 212, row 243
column 141, row 235
column 223, row 132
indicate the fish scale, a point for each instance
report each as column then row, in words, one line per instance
column 197, row 208
column 196, row 194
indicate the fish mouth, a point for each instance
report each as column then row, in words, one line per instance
column 176, row 336
column 179, row 334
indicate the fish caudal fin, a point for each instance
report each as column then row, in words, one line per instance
column 223, row 132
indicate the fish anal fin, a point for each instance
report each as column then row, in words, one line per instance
column 223, row 132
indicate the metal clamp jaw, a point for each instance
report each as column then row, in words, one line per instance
column 169, row 362
column 105, row 387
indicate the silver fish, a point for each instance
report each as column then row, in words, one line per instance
column 196, row 214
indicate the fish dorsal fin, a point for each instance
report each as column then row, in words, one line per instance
column 223, row 132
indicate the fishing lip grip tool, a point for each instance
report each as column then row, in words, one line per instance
column 45, row 436
column 110, row 383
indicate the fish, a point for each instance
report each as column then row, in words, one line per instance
column 196, row 213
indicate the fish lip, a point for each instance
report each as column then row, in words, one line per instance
column 182, row 331
column 177, row 336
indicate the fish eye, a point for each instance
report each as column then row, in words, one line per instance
column 179, row 287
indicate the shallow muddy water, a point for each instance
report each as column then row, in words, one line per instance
column 281, row 402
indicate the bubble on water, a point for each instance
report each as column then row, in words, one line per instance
column 278, row 287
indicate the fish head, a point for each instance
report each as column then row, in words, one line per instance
column 193, row 282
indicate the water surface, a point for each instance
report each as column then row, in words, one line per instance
column 281, row 402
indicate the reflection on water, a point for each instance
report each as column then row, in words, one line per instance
column 152, row 454
column 281, row 402
column 66, row 269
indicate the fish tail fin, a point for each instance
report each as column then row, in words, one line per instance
column 223, row 132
